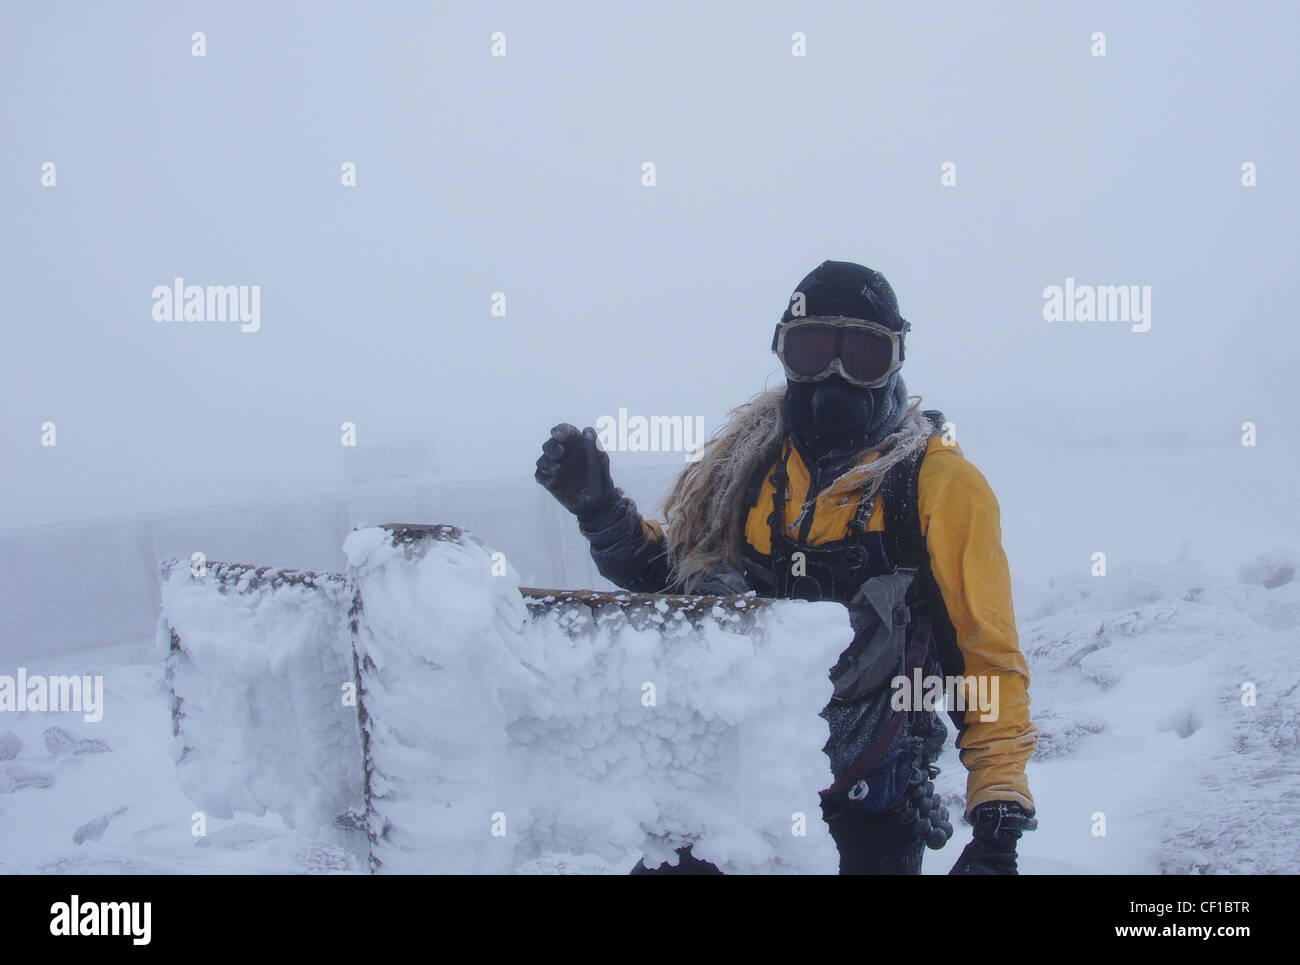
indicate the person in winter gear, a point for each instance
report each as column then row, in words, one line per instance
column 837, row 487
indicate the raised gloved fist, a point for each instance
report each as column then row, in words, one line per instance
column 992, row 850
column 575, row 470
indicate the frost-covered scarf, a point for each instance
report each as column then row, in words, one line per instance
column 705, row 511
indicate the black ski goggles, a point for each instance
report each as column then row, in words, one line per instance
column 863, row 353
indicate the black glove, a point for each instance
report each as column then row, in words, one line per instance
column 721, row 579
column 575, row 470
column 992, row 851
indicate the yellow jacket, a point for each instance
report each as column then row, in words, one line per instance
column 960, row 522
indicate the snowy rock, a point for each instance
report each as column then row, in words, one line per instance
column 1273, row 569
column 316, row 858
column 15, row 776
column 94, row 829
column 10, row 745
column 59, row 742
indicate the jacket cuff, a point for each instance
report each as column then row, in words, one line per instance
column 603, row 515
column 608, row 526
column 977, row 794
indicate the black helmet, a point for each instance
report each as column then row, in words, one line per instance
column 843, row 289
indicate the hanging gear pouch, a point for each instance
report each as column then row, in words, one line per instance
column 864, row 726
column 879, row 615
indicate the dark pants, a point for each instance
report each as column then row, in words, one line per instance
column 687, row 865
column 869, row 844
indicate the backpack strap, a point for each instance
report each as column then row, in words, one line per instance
column 902, row 509
column 902, row 517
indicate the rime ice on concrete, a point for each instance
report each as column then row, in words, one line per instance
column 498, row 730
column 257, row 660
column 431, row 662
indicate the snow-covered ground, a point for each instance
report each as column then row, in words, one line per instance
column 1170, row 705
column 1138, row 684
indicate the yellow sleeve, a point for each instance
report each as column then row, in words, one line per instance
column 963, row 532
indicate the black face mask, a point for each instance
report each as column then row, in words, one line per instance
column 834, row 416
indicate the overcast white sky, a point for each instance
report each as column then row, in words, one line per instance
column 522, row 174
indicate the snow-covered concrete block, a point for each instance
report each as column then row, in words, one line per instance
column 501, row 728
column 261, row 672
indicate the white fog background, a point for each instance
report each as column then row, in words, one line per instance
column 522, row 174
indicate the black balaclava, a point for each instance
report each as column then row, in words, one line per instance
column 832, row 415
